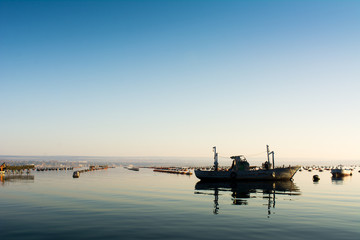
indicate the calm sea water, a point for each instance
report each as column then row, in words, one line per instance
column 118, row 203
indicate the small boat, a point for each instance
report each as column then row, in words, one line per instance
column 241, row 170
column 132, row 168
column 76, row 174
column 341, row 171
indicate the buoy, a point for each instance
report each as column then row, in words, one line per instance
column 76, row 174
column 316, row 178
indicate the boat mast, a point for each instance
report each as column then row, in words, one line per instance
column 268, row 154
column 216, row 163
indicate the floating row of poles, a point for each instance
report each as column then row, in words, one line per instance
column 76, row 174
column 54, row 169
column 183, row 171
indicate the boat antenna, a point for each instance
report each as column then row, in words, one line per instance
column 216, row 163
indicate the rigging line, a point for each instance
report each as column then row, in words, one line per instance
column 256, row 154
column 249, row 155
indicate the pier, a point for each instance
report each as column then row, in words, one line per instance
column 15, row 173
column 4, row 167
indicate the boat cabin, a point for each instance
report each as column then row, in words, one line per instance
column 239, row 163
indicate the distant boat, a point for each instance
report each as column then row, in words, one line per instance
column 341, row 171
column 132, row 168
column 241, row 170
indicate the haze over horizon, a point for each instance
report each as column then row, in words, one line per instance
column 175, row 78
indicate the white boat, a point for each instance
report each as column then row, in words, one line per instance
column 341, row 171
column 132, row 168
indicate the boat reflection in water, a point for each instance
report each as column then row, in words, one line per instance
column 241, row 192
column 340, row 180
column 5, row 178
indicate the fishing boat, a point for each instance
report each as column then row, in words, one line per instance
column 241, row 170
column 341, row 171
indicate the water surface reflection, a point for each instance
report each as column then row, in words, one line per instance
column 16, row 178
column 242, row 192
column 340, row 180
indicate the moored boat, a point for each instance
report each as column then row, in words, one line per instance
column 241, row 170
column 341, row 171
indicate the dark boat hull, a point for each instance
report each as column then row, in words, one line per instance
column 252, row 175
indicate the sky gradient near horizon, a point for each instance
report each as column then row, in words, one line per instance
column 175, row 78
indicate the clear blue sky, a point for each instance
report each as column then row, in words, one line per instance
column 174, row 78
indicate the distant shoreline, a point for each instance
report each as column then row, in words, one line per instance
column 166, row 161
